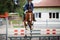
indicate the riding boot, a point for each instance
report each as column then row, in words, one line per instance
column 34, row 18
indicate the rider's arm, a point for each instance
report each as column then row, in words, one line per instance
column 32, row 6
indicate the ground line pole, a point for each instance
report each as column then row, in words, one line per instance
column 7, row 24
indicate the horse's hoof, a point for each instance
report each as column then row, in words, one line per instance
column 34, row 20
column 31, row 24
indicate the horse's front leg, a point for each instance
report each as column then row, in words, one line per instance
column 25, row 25
column 30, row 25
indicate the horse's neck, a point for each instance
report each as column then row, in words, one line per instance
column 30, row 16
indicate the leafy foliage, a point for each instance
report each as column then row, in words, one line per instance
column 5, row 5
column 20, row 10
column 8, row 5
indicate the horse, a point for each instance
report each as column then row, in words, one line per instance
column 28, row 19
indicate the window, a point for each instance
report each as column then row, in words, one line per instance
column 57, row 15
column 37, row 15
column 53, row 15
column 50, row 15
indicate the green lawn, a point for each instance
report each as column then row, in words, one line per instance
column 18, row 26
column 17, row 22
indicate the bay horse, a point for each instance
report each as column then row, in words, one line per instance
column 28, row 19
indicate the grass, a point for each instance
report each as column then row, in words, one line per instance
column 17, row 22
column 18, row 27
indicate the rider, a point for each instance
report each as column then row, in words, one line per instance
column 29, row 3
column 26, row 6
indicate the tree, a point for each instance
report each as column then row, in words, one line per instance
column 6, row 5
column 10, row 6
column 20, row 9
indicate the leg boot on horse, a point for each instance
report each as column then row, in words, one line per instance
column 25, row 25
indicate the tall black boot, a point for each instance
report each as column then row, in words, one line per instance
column 34, row 17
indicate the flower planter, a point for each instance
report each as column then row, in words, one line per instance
column 4, row 15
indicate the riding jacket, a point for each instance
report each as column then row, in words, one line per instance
column 27, row 5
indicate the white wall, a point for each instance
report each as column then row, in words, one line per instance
column 44, row 16
column 45, row 12
column 45, row 21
